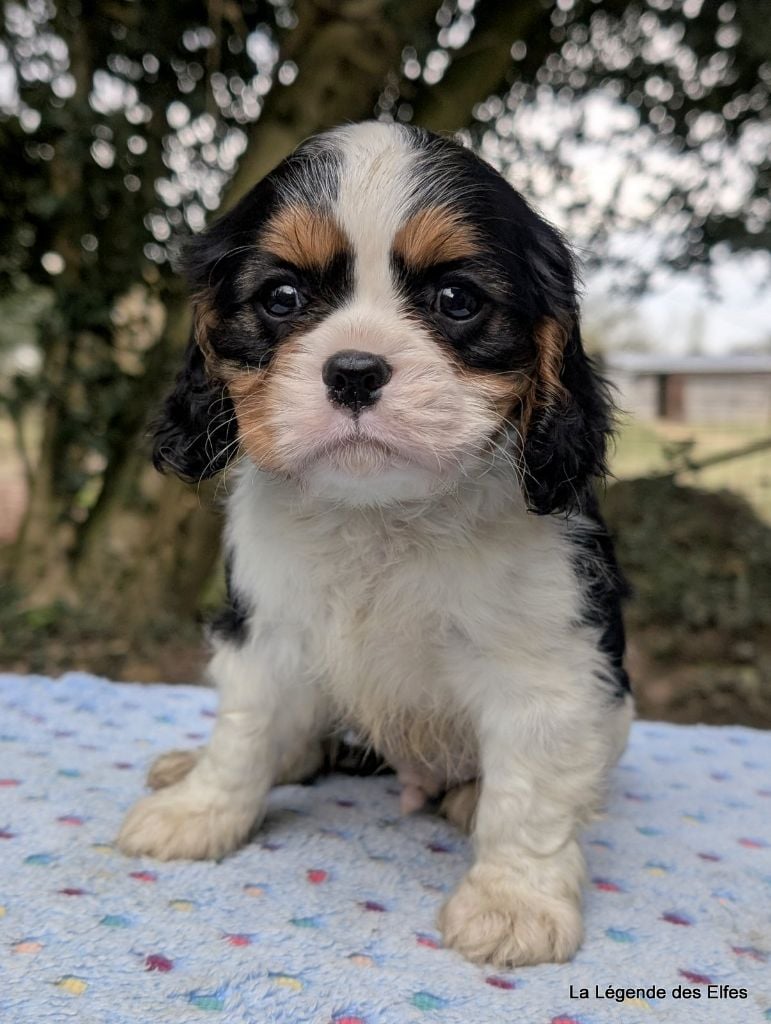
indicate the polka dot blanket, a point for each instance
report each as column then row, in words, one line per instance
column 329, row 915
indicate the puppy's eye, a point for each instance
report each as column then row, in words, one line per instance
column 457, row 303
column 282, row 300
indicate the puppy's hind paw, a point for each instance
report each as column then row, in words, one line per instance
column 459, row 805
column 171, row 767
column 493, row 918
column 180, row 823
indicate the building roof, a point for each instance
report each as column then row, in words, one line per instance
column 638, row 364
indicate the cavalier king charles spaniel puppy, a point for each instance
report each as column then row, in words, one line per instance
column 387, row 356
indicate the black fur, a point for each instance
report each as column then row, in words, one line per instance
column 232, row 622
column 605, row 589
column 196, row 431
column 566, row 442
column 527, row 271
column 530, row 274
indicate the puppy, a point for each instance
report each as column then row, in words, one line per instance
column 387, row 358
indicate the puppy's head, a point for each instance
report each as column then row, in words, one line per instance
column 379, row 316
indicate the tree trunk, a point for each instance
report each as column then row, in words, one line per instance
column 40, row 559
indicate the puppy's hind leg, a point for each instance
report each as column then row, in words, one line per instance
column 459, row 805
column 172, row 767
column 269, row 723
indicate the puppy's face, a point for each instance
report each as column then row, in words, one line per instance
column 383, row 311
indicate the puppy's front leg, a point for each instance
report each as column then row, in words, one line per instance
column 542, row 774
column 269, row 717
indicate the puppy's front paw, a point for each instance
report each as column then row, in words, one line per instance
column 180, row 823
column 493, row 917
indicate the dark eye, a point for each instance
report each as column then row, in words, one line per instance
column 457, row 303
column 282, row 300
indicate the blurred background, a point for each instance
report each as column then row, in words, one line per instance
column 641, row 129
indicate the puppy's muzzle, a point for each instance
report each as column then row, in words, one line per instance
column 355, row 379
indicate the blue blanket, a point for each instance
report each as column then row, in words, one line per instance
column 328, row 916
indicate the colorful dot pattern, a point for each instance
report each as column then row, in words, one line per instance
column 329, row 915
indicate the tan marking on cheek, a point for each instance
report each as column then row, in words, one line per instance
column 435, row 235
column 250, row 393
column 502, row 391
column 303, row 237
column 258, row 404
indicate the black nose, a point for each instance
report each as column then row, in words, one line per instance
column 355, row 379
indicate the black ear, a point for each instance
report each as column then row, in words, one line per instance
column 569, row 416
column 210, row 260
column 196, row 433
column 566, row 438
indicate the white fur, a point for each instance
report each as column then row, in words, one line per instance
column 416, row 601
column 464, row 608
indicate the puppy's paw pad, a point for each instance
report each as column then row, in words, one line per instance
column 509, row 926
column 174, row 824
column 171, row 767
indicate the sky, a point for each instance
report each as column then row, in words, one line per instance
column 732, row 314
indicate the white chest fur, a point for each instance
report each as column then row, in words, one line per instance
column 412, row 618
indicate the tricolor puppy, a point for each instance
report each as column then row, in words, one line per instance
column 387, row 359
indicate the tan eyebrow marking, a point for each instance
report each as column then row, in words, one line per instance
column 435, row 235
column 304, row 237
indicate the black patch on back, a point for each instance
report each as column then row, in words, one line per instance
column 605, row 588
column 349, row 756
column 232, row 622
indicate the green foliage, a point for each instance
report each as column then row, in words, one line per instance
column 698, row 560
column 58, row 637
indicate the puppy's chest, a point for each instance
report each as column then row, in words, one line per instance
column 384, row 623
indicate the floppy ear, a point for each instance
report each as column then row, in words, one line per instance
column 568, row 417
column 196, row 433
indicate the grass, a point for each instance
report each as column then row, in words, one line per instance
column 646, row 448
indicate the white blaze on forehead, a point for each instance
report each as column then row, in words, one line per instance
column 375, row 189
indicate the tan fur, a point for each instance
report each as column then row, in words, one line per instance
column 171, row 767
column 303, row 237
column 396, row 581
column 504, row 392
column 205, row 318
column 551, row 339
column 435, row 235
column 459, row 805
column 250, row 394
column 546, row 387
column 299, row 765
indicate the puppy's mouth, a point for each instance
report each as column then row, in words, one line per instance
column 355, row 451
